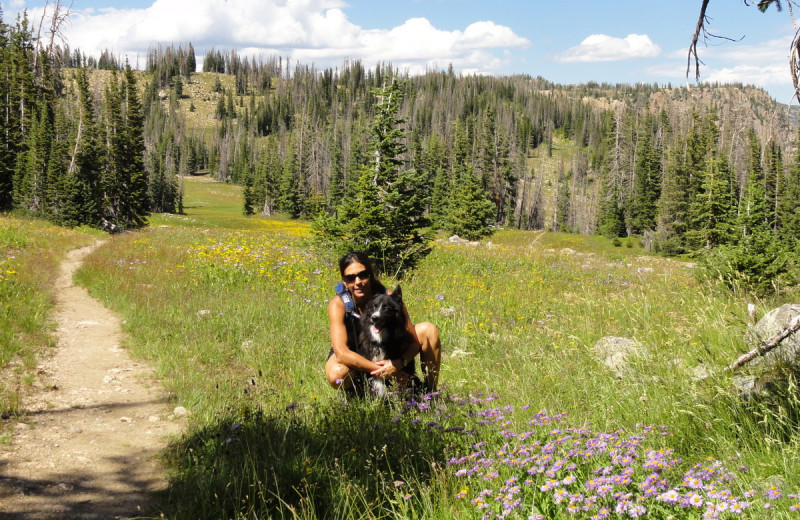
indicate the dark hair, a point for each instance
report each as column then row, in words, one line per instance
column 362, row 258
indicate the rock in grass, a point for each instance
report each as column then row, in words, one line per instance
column 768, row 375
column 788, row 352
column 615, row 352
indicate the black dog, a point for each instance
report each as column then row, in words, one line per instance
column 384, row 335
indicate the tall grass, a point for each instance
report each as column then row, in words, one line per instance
column 232, row 311
column 30, row 252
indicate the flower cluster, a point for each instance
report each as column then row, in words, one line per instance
column 244, row 257
column 550, row 470
column 6, row 273
column 130, row 264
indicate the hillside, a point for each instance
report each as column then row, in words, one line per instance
column 624, row 160
column 535, row 126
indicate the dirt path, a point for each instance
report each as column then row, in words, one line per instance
column 86, row 446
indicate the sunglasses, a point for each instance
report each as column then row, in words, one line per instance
column 350, row 278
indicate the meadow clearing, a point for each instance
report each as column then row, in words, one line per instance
column 528, row 423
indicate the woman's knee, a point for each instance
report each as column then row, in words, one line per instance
column 336, row 373
column 428, row 335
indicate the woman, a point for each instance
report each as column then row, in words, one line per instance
column 344, row 365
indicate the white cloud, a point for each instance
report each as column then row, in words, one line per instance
column 750, row 75
column 315, row 31
column 765, row 64
column 601, row 47
column 488, row 34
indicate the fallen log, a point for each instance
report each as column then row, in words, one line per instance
column 768, row 345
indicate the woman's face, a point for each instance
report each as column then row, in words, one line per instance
column 356, row 278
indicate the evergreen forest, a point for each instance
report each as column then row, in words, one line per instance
column 711, row 171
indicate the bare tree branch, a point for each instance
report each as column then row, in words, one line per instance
column 701, row 21
column 794, row 55
column 761, row 5
column 792, row 327
column 794, row 64
column 61, row 15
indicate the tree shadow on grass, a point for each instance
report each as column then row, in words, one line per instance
column 324, row 460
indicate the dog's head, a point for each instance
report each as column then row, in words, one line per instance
column 384, row 315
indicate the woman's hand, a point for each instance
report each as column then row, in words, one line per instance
column 388, row 368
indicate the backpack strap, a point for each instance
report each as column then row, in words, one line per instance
column 351, row 315
column 349, row 304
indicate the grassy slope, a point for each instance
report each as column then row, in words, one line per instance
column 232, row 311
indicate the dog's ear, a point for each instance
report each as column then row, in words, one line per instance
column 397, row 294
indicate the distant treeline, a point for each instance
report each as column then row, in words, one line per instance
column 686, row 169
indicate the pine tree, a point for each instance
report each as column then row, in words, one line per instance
column 336, row 183
column 19, row 116
column 611, row 217
column 441, row 198
column 753, row 259
column 699, row 140
column 773, row 179
column 444, row 182
column 267, row 174
column 138, row 203
column 752, row 213
column 221, row 112
column 385, row 218
column 290, row 199
column 112, row 179
column 124, row 182
column 7, row 152
column 646, row 184
column 30, row 181
column 191, row 62
column 471, row 213
column 248, row 194
column 673, row 205
column 788, row 214
column 562, row 222
column 57, row 166
column 712, row 211
column 82, row 190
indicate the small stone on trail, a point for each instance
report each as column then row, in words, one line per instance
column 180, row 411
column 125, row 419
column 154, row 418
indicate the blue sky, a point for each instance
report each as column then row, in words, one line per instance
column 575, row 41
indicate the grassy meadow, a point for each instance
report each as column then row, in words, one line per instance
column 528, row 423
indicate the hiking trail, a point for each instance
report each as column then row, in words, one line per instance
column 89, row 432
